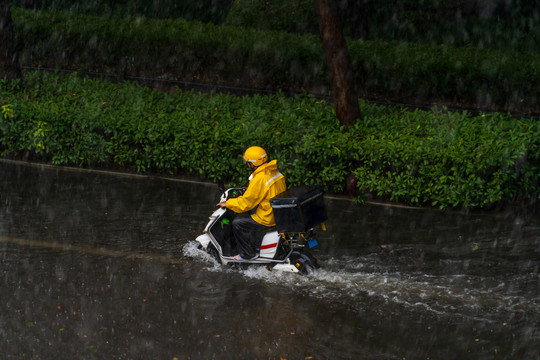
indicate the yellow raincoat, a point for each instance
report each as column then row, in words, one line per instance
column 265, row 183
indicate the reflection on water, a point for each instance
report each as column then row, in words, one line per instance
column 100, row 265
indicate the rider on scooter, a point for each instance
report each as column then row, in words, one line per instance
column 265, row 182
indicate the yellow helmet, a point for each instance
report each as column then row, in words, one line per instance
column 255, row 155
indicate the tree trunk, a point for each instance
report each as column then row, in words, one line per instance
column 339, row 62
column 9, row 61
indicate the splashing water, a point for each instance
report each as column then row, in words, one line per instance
column 357, row 282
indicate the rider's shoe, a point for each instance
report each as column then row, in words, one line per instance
column 239, row 258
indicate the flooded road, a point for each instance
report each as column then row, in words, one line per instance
column 103, row 266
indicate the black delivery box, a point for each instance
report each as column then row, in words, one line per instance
column 298, row 209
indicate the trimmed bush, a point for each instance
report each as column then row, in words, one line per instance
column 434, row 158
column 173, row 49
column 213, row 11
column 501, row 25
column 282, row 15
column 178, row 49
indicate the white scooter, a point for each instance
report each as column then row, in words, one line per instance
column 283, row 248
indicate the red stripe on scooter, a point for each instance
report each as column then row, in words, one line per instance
column 263, row 247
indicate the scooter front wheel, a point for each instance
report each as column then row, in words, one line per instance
column 212, row 251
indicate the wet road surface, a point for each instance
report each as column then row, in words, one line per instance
column 97, row 265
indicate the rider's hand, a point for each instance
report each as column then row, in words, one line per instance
column 222, row 204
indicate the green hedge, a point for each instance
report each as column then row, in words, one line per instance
column 485, row 77
column 500, row 24
column 504, row 25
column 173, row 49
column 178, row 49
column 282, row 15
column 213, row 11
column 434, row 158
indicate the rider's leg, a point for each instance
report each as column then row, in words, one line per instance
column 248, row 234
